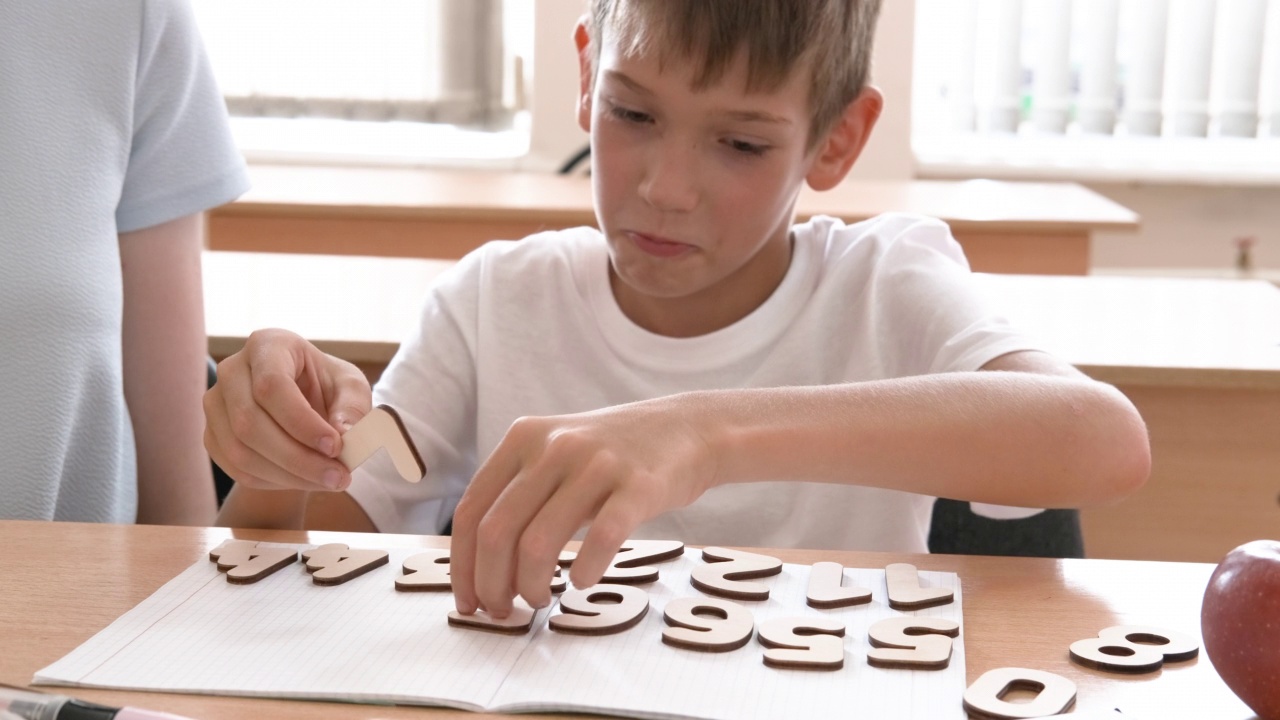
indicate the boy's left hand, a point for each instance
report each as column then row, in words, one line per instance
column 611, row 469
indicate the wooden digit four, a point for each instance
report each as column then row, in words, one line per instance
column 600, row 610
column 905, row 593
column 985, row 697
column 245, row 562
column 725, row 571
column 707, row 624
column 804, row 643
column 335, row 563
column 912, row 642
column 1134, row 649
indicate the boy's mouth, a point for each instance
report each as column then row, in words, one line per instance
column 658, row 246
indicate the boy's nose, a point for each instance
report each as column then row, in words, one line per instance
column 669, row 183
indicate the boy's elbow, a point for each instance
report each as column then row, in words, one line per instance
column 1126, row 449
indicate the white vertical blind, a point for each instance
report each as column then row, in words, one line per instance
column 1237, row 71
column 1051, row 68
column 1099, row 29
column 1271, row 64
column 1146, row 27
column 1191, row 31
column 998, row 82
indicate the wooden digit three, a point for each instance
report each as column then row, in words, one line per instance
column 1134, row 649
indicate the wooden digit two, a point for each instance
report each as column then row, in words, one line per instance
column 805, row 643
column 985, row 697
column 631, row 565
column 725, row 571
column 707, row 624
column 335, row 563
column 905, row 592
column 1134, row 649
column 912, row 642
column 245, row 562
column 600, row 610
column 427, row 570
column 827, row 591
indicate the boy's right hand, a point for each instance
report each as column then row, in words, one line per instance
column 275, row 418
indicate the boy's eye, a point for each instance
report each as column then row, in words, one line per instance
column 631, row 116
column 746, row 148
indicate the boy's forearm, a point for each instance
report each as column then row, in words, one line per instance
column 245, row 507
column 1002, row 438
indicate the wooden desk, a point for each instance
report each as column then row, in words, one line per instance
column 1199, row 358
column 433, row 213
column 63, row 582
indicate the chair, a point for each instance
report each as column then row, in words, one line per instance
column 957, row 530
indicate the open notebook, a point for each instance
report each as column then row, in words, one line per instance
column 363, row 641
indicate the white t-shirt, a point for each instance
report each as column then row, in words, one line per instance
column 532, row 328
column 110, row 121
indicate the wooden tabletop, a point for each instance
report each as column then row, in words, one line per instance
column 62, row 582
column 1131, row 331
column 558, row 200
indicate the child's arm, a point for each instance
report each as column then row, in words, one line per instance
column 1041, row 435
column 164, row 351
column 274, row 422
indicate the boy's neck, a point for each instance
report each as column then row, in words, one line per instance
column 712, row 308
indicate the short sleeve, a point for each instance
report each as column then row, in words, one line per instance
column 932, row 318
column 182, row 158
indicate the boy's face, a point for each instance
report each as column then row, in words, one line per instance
column 694, row 189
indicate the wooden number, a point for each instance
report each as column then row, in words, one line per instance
column 912, row 642
column 1134, row 649
column 805, row 643
column 707, row 624
column 985, row 697
column 826, row 589
column 600, row 610
column 382, row 428
column 558, row 582
column 725, row 569
column 427, row 570
column 905, row 592
column 517, row 623
column 335, row 563
column 245, row 562
column 630, row 565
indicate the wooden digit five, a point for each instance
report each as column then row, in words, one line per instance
column 985, row 697
column 1134, row 649
column 600, row 610
column 912, row 642
column 805, row 643
column 725, row 571
column 707, row 624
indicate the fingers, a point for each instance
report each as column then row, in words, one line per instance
column 617, row 519
column 485, row 487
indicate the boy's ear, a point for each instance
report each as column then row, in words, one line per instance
column 585, row 73
column 844, row 142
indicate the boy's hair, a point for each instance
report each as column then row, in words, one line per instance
column 833, row 37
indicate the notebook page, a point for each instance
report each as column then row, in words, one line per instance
column 634, row 673
column 289, row 638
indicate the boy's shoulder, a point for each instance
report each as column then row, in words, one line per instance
column 883, row 237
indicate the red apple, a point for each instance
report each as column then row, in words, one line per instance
column 1240, row 620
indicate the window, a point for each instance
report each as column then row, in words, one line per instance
column 1099, row 89
column 392, row 80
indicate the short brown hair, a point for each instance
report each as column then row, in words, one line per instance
column 834, row 37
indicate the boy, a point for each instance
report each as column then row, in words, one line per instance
column 699, row 368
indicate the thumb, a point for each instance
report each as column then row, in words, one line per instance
column 350, row 399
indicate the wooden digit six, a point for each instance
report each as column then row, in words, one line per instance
column 600, row 610
column 707, row 624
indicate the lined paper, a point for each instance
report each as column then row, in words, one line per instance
column 366, row 642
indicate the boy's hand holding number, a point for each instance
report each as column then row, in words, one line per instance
column 276, row 416
column 611, row 469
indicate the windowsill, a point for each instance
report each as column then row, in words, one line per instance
column 392, row 144
column 1096, row 158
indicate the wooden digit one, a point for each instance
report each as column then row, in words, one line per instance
column 985, row 696
column 1134, row 649
column 905, row 593
column 600, row 610
column 517, row 623
column 819, row 647
column 726, row 569
column 427, row 570
column 707, row 624
column 826, row 591
column 631, row 565
column 382, row 428
column 912, row 642
column 246, row 562
column 335, row 563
